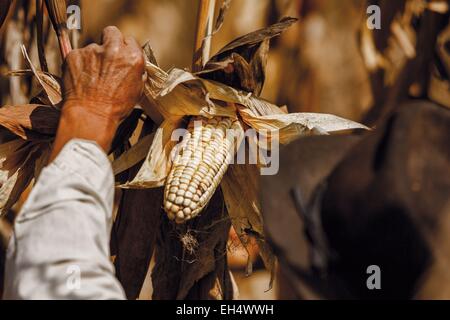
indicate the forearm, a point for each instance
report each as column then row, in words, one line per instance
column 79, row 122
column 60, row 248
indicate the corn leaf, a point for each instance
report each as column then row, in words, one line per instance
column 179, row 93
column 291, row 126
column 17, row 168
column 134, row 155
column 242, row 63
column 242, row 44
column 31, row 121
column 158, row 161
column 50, row 85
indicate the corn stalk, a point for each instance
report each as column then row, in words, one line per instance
column 202, row 45
column 57, row 10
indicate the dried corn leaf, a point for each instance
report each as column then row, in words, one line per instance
column 291, row 126
column 222, row 92
column 242, row 44
column 135, row 230
column 42, row 161
column 151, row 111
column 242, row 202
column 194, row 271
column 181, row 93
column 158, row 161
column 247, row 74
column 186, row 96
column 148, row 52
column 241, row 64
column 51, row 88
column 17, row 159
column 9, row 148
column 236, row 72
column 156, row 79
column 49, row 84
column 262, row 107
column 30, row 121
column 134, row 155
column 125, row 132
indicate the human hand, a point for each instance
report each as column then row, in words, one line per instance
column 101, row 85
column 105, row 79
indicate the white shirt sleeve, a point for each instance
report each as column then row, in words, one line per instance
column 60, row 246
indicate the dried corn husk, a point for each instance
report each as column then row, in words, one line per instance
column 186, row 99
column 31, row 121
column 19, row 164
column 49, row 83
column 158, row 161
column 8, row 175
column 134, row 155
column 51, row 87
column 291, row 126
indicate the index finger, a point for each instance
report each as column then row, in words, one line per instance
column 112, row 36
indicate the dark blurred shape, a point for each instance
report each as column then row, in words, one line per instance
column 349, row 204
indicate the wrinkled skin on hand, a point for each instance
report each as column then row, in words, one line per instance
column 107, row 78
column 101, row 86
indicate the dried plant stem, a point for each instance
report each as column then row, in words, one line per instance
column 202, row 45
column 58, row 15
column 64, row 43
column 40, row 34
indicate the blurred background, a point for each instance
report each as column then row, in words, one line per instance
column 315, row 66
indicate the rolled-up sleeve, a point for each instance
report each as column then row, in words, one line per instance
column 60, row 246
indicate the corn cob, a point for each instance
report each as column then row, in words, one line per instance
column 201, row 161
